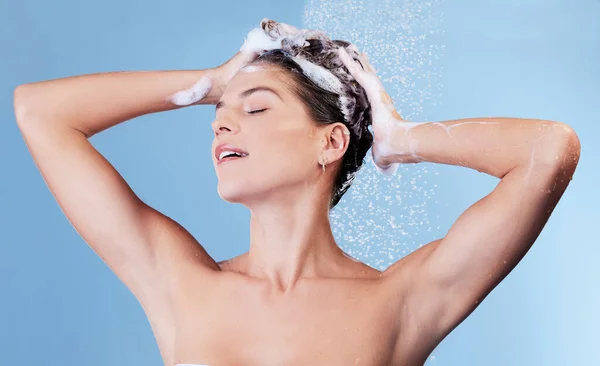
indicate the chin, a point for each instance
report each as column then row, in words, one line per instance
column 243, row 192
column 256, row 187
column 231, row 194
column 238, row 191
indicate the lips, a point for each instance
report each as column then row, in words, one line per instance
column 226, row 148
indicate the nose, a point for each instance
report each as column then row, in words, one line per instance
column 224, row 125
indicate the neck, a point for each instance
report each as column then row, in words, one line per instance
column 292, row 241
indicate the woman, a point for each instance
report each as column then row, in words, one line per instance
column 292, row 127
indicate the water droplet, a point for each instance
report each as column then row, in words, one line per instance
column 389, row 216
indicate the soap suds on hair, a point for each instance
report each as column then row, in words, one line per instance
column 345, row 106
column 325, row 79
column 272, row 35
column 320, row 75
column 193, row 94
column 257, row 40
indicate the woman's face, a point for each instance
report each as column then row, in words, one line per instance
column 272, row 127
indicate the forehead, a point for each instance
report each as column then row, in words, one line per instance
column 252, row 75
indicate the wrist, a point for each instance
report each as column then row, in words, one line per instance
column 402, row 145
column 216, row 77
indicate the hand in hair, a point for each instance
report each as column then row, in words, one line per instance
column 226, row 71
column 268, row 36
column 384, row 114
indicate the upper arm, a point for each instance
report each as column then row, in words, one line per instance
column 138, row 243
column 451, row 276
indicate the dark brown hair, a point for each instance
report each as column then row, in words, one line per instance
column 324, row 106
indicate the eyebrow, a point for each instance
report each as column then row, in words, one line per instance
column 246, row 93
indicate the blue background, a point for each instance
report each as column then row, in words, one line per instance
column 61, row 305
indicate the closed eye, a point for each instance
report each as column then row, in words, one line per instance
column 257, row 111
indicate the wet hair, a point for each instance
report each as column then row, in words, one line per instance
column 349, row 107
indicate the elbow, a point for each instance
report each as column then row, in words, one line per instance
column 568, row 141
column 22, row 102
column 571, row 138
column 564, row 148
column 33, row 108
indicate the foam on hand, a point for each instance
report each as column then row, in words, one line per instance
column 192, row 95
column 257, row 40
column 270, row 36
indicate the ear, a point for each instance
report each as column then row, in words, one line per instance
column 338, row 139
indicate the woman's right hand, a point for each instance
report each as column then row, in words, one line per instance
column 226, row 71
column 264, row 38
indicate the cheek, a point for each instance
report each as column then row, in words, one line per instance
column 289, row 149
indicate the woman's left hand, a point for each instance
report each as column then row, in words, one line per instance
column 384, row 114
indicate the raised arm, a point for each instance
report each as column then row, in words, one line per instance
column 146, row 249
column 440, row 284
column 534, row 159
column 56, row 119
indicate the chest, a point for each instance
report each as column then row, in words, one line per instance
column 320, row 325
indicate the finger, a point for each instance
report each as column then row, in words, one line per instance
column 367, row 63
column 350, row 64
column 286, row 29
column 372, row 85
column 276, row 29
